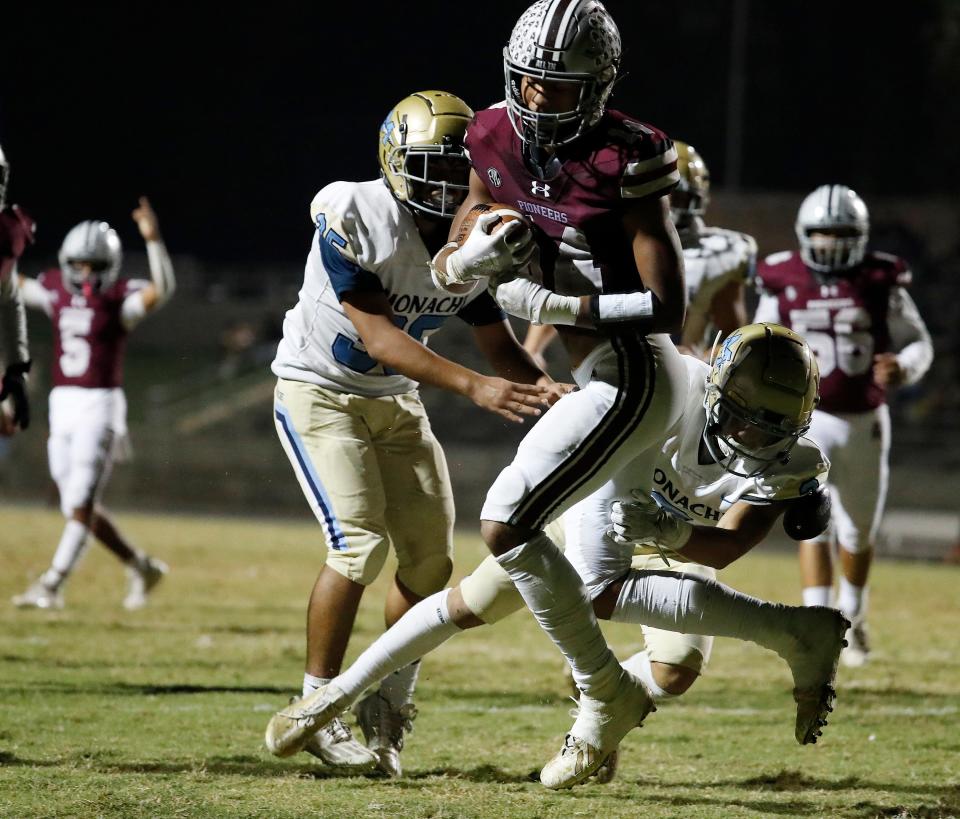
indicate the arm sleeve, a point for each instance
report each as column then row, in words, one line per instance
column 35, row 295
column 909, row 335
column 133, row 310
column 13, row 323
column 161, row 272
column 768, row 310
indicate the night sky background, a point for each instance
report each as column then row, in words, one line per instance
column 231, row 118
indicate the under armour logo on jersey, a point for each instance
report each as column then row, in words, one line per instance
column 494, row 176
column 540, row 189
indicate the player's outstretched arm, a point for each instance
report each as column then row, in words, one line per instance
column 536, row 341
column 372, row 316
column 741, row 528
column 162, row 280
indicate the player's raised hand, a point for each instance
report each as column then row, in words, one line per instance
column 887, row 371
column 508, row 399
column 146, row 220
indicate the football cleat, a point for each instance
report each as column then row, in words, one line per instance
column 39, row 596
column 596, row 733
column 140, row 582
column 818, row 634
column 857, row 651
column 335, row 746
column 607, row 771
column 384, row 728
column 288, row 730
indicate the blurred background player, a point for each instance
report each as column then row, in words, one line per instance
column 712, row 489
column 717, row 264
column 595, row 183
column 93, row 311
column 853, row 309
column 16, row 233
column 349, row 415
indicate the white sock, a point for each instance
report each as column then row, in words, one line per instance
column 311, row 683
column 639, row 665
column 817, row 595
column 397, row 688
column 695, row 605
column 73, row 543
column 852, row 600
column 554, row 592
column 423, row 628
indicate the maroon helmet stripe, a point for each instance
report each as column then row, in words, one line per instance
column 555, row 19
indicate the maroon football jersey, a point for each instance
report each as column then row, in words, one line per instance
column 842, row 317
column 89, row 338
column 16, row 233
column 580, row 198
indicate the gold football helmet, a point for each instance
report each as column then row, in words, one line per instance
column 691, row 197
column 760, row 397
column 421, row 152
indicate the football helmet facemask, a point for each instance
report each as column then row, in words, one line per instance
column 832, row 227
column 4, row 179
column 761, row 393
column 421, row 154
column 559, row 41
column 94, row 244
column 690, row 198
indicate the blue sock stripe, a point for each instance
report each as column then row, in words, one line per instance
column 337, row 538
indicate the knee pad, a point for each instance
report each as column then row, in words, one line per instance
column 359, row 564
column 489, row 592
column 427, row 575
column 505, row 494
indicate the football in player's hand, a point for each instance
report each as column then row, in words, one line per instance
column 505, row 214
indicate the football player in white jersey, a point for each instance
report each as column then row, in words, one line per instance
column 853, row 307
column 718, row 262
column 93, row 311
column 718, row 481
column 16, row 232
column 350, row 418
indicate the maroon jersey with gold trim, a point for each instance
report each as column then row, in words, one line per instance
column 89, row 339
column 579, row 198
column 842, row 317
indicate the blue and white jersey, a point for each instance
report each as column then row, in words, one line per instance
column 365, row 242
column 701, row 492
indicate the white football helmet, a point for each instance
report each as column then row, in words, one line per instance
column 832, row 227
column 93, row 243
column 4, row 178
column 569, row 41
column 761, row 393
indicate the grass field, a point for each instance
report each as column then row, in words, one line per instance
column 161, row 712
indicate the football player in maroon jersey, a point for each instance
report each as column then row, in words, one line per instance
column 854, row 310
column 16, row 233
column 595, row 183
column 92, row 313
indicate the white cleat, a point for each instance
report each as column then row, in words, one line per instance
column 607, row 771
column 384, row 729
column 335, row 746
column 596, row 733
column 289, row 730
column 39, row 596
column 857, row 651
column 818, row 634
column 140, row 582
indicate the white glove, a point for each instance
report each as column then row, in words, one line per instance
column 644, row 522
column 487, row 254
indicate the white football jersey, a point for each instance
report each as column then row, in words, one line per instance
column 701, row 492
column 365, row 241
column 712, row 257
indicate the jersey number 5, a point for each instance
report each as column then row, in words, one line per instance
column 75, row 324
